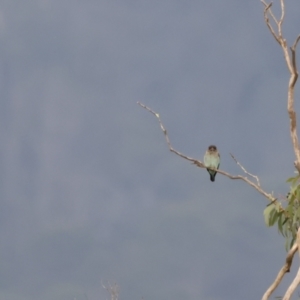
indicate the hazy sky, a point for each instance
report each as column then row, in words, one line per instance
column 89, row 191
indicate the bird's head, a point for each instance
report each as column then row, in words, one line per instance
column 212, row 148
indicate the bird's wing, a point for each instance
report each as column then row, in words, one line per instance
column 206, row 160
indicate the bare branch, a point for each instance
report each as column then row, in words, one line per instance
column 285, row 269
column 245, row 171
column 266, row 11
column 294, row 63
column 293, row 51
column 268, row 8
column 296, row 280
column 281, row 18
column 290, row 106
column 201, row 165
column 295, row 44
column 278, row 37
column 292, row 67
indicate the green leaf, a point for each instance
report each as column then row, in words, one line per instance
column 285, row 230
column 277, row 206
column 294, row 182
column 274, row 215
column 291, row 179
column 293, row 192
column 290, row 210
column 286, row 244
column 268, row 211
column 280, row 223
column 296, row 215
column 285, row 220
column 291, row 198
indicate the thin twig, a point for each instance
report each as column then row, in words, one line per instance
column 295, row 43
column 245, row 171
column 266, row 11
column 281, row 18
column 269, row 9
column 285, row 269
column 200, row 164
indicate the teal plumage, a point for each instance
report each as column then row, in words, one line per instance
column 212, row 160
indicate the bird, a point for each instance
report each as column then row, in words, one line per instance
column 212, row 160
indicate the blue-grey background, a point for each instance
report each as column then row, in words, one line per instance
column 89, row 192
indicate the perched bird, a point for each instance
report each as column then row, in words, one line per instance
column 212, row 160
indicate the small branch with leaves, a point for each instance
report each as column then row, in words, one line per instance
column 286, row 216
column 291, row 221
column 274, row 212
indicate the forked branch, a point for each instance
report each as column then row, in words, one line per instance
column 290, row 59
column 245, row 171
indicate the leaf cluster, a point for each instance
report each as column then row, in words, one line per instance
column 287, row 214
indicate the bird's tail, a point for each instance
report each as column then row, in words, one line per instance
column 212, row 177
